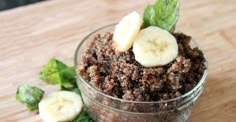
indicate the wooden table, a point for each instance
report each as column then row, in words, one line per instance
column 31, row 35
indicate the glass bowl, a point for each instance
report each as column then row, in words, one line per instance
column 105, row 108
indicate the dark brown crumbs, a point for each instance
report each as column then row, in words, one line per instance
column 120, row 75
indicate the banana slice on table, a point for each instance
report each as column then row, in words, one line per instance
column 155, row 47
column 126, row 31
column 60, row 106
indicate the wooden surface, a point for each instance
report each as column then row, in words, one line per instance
column 30, row 35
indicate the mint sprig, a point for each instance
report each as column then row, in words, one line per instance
column 29, row 96
column 163, row 14
column 56, row 72
column 83, row 117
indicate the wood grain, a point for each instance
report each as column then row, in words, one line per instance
column 30, row 35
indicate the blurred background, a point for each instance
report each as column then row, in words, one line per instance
column 9, row 4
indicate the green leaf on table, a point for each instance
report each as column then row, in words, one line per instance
column 51, row 71
column 29, row 96
column 68, row 80
column 56, row 72
column 164, row 14
column 83, row 117
column 77, row 90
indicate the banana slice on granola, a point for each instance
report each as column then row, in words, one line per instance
column 126, row 31
column 155, row 47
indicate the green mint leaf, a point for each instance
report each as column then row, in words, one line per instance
column 164, row 14
column 83, row 117
column 68, row 79
column 51, row 71
column 56, row 72
column 29, row 96
column 77, row 90
column 149, row 16
column 167, row 13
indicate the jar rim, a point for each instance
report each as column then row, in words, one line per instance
column 200, row 83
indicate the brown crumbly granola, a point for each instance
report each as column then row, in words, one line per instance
column 118, row 73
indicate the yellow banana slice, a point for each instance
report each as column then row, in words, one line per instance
column 155, row 47
column 126, row 31
column 60, row 106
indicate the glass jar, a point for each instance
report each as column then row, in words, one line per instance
column 105, row 108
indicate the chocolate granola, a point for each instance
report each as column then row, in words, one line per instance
column 118, row 74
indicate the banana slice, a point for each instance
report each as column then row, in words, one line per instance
column 60, row 106
column 126, row 31
column 155, row 47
